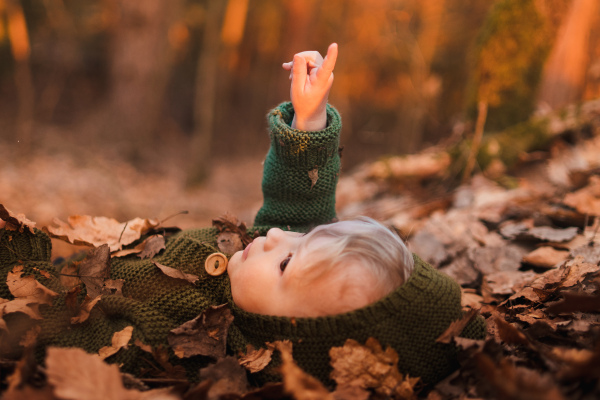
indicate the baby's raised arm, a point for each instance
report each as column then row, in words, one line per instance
column 303, row 164
column 312, row 77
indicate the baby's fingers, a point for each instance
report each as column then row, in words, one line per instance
column 329, row 62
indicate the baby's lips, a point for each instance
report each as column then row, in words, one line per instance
column 246, row 250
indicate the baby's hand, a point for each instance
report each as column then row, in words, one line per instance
column 312, row 77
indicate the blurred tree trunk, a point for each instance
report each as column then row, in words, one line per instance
column 564, row 75
column 21, row 49
column 206, row 92
column 425, row 87
column 140, row 66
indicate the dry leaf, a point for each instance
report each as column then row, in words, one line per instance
column 24, row 305
column 516, row 382
column 96, row 231
column 113, row 287
column 549, row 234
column 296, row 382
column 69, row 277
column 15, row 222
column 509, row 333
column 95, row 269
column 576, row 302
column 77, row 375
column 507, row 282
column 119, row 340
column 85, row 309
column 370, row 367
column 456, row 327
column 229, row 223
column 546, row 257
column 256, row 359
column 204, row 335
column 28, row 288
column 313, row 175
column 152, row 246
column 30, row 337
column 229, row 242
column 586, row 200
column 175, row 273
column 228, row 377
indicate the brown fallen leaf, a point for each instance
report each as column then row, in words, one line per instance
column 509, row 333
column 296, row 382
column 85, row 309
column 256, row 359
column 204, row 335
column 370, row 367
column 15, row 222
column 229, row 242
column 229, row 223
column 119, row 340
column 30, row 337
column 96, row 231
column 69, row 277
column 587, row 199
column 175, row 273
column 546, row 257
column 456, row 327
column 75, row 374
column 313, row 175
column 113, row 287
column 228, row 377
column 150, row 247
column 517, row 383
column 24, row 305
column 27, row 287
column 95, row 269
column 548, row 234
column 507, row 282
column 575, row 302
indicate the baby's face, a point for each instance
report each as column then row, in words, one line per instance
column 267, row 277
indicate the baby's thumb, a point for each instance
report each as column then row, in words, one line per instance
column 299, row 72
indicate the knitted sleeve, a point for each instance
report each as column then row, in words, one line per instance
column 300, row 172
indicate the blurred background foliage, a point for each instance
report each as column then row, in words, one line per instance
column 197, row 76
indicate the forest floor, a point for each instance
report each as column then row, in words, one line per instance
column 525, row 254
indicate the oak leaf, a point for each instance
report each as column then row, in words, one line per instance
column 27, row 287
column 370, row 367
column 96, row 231
column 204, row 335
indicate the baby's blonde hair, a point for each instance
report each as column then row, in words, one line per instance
column 354, row 247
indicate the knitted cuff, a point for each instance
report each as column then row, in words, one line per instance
column 303, row 149
column 23, row 246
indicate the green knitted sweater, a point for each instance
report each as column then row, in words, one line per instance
column 409, row 319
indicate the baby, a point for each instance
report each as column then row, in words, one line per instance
column 341, row 280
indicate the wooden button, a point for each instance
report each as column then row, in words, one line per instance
column 216, row 264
